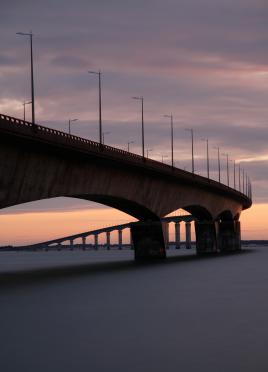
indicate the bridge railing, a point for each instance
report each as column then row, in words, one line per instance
column 45, row 130
column 105, row 149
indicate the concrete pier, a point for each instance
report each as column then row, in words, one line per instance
column 188, row 243
column 131, row 241
column 108, row 240
column 177, row 235
column 229, row 236
column 96, row 241
column 206, row 241
column 165, row 227
column 148, row 240
column 120, row 239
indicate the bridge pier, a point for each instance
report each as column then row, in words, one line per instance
column 229, row 236
column 188, row 242
column 108, row 240
column 206, row 241
column 131, row 241
column 96, row 241
column 148, row 240
column 84, row 242
column 177, row 235
column 165, row 227
column 120, row 239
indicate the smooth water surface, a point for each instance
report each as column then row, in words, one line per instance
column 100, row 311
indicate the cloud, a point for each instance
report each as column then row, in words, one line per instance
column 206, row 62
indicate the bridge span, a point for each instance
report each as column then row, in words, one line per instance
column 80, row 240
column 37, row 162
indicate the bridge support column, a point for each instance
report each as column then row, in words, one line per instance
column 206, row 241
column 177, row 235
column 84, row 242
column 120, row 239
column 148, row 240
column 108, row 240
column 96, row 241
column 71, row 244
column 188, row 243
column 165, row 227
column 229, row 236
column 131, row 241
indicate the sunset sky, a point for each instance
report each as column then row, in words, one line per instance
column 205, row 61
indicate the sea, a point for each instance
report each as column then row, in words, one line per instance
column 98, row 311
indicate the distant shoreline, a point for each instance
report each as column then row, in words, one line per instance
column 112, row 246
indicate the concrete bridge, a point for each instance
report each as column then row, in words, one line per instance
column 80, row 240
column 37, row 162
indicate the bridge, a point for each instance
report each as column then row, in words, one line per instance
column 37, row 162
column 80, row 240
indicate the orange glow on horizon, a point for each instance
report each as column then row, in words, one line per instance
column 33, row 227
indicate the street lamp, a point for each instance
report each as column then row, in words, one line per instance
column 206, row 140
column 164, row 156
column 239, row 177
column 234, row 175
column 227, row 168
column 219, row 163
column 70, row 121
column 142, row 121
column 129, row 143
column 24, row 104
column 103, row 134
column 243, row 180
column 32, row 77
column 192, row 137
column 100, row 111
column 148, row 150
column 171, row 135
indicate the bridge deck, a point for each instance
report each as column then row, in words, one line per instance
column 36, row 133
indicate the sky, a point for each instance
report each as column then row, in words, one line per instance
column 204, row 61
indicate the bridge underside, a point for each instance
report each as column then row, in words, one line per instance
column 130, row 207
column 44, row 163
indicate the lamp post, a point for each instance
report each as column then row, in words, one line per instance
column 227, row 168
column 70, row 121
column 98, row 73
column 141, row 99
column 219, row 163
column 163, row 156
column 239, row 177
column 32, row 76
column 249, row 189
column 206, row 140
column 243, row 178
column 147, row 151
column 24, row 104
column 171, row 137
column 103, row 134
column 192, row 137
column 129, row 143
column 234, row 175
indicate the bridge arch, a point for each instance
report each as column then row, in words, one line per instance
column 130, row 207
column 225, row 216
column 199, row 212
